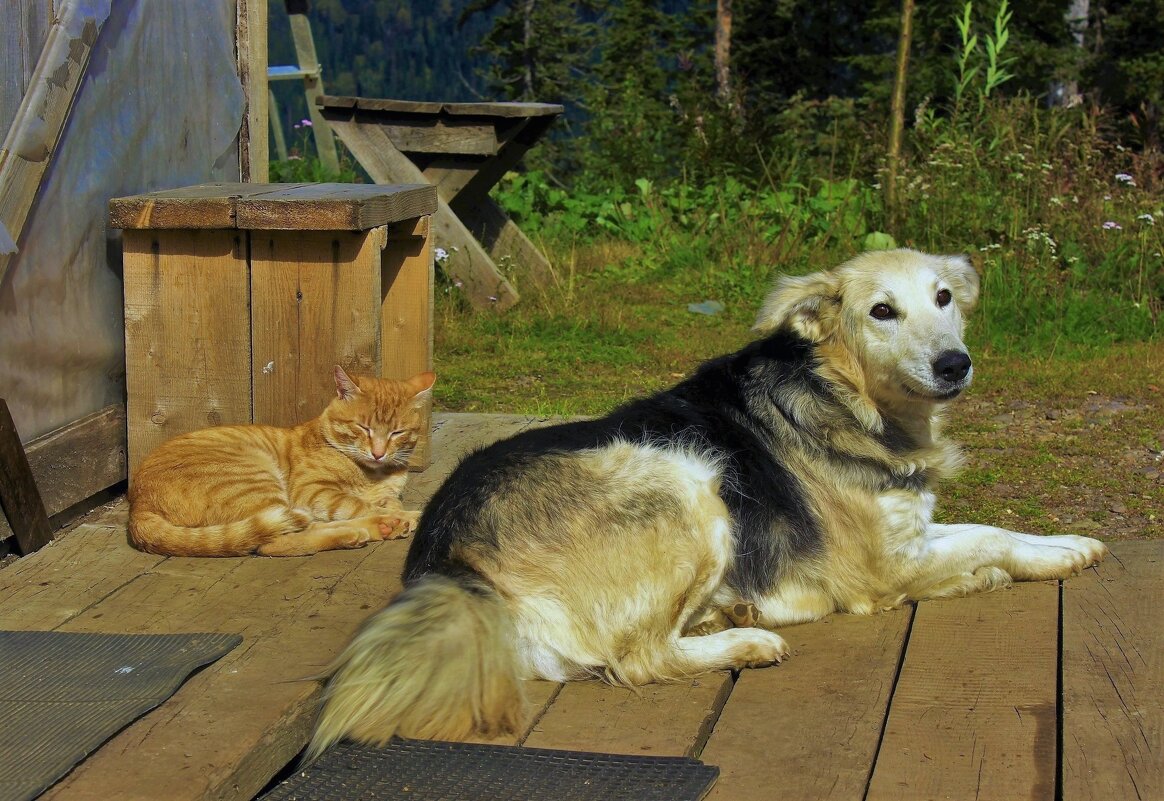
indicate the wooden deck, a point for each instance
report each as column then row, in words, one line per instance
column 1041, row 692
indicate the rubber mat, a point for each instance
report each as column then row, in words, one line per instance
column 63, row 694
column 420, row 770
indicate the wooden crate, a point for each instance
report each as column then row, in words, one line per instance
column 239, row 299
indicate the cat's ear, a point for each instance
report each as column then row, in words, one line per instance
column 345, row 387
column 421, row 386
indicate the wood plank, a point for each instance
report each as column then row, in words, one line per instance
column 974, row 711
column 507, row 244
column 502, row 109
column 251, row 47
column 309, row 207
column 315, row 304
column 233, row 725
column 43, row 590
column 313, row 89
column 440, row 136
column 511, row 153
column 187, row 337
column 406, row 315
column 811, row 726
column 1113, row 675
column 656, row 720
column 32, row 139
column 334, row 207
column 73, row 463
column 484, row 286
column 209, row 205
column 19, row 498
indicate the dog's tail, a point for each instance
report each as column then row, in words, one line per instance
column 437, row 663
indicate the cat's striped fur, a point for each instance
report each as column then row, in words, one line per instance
column 332, row 482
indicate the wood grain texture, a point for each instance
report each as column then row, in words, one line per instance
column 22, row 38
column 315, row 304
column 430, row 107
column 406, row 313
column 75, row 462
column 482, row 283
column 19, row 498
column 1113, row 675
column 251, row 47
column 439, row 136
column 507, row 244
column 974, row 711
column 656, row 720
column 289, row 207
column 810, row 726
column 187, row 335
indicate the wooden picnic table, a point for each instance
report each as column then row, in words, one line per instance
column 1045, row 691
column 463, row 149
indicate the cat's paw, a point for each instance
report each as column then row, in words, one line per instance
column 397, row 525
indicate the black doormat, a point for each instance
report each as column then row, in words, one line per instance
column 63, row 694
column 420, row 770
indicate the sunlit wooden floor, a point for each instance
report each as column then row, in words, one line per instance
column 1043, row 691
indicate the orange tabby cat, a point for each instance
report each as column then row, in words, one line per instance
column 332, row 482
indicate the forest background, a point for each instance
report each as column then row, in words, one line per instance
column 709, row 145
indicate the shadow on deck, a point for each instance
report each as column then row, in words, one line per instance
column 1044, row 691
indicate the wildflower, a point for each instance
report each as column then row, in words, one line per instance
column 1111, row 225
column 1146, row 218
column 440, row 255
column 305, row 123
column 1124, row 178
column 1056, row 200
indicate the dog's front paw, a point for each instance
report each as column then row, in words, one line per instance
column 1057, row 556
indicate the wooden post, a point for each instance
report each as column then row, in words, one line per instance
column 19, row 496
column 251, row 44
column 312, row 84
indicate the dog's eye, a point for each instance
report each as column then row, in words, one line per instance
column 944, row 297
column 882, row 312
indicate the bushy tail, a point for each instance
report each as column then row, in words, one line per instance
column 151, row 532
column 438, row 663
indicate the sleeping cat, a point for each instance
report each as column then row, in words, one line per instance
column 332, row 482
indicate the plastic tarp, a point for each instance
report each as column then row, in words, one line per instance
column 160, row 107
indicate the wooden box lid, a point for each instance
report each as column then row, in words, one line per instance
column 285, row 207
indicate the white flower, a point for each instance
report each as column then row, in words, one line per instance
column 440, row 255
column 1124, row 178
column 1111, row 225
column 1146, row 218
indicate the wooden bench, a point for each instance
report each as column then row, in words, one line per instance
column 462, row 149
column 239, row 298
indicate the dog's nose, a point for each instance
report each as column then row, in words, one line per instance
column 952, row 366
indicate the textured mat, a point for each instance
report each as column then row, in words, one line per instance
column 63, row 694
column 431, row 771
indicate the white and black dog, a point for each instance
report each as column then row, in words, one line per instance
column 779, row 484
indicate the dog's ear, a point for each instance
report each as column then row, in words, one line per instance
column 963, row 280
column 806, row 304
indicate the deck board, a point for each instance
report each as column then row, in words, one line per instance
column 809, row 729
column 1113, row 672
column 658, row 720
column 952, row 699
column 973, row 713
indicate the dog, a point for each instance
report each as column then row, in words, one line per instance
column 776, row 485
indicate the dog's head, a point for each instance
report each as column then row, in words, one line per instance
column 889, row 323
